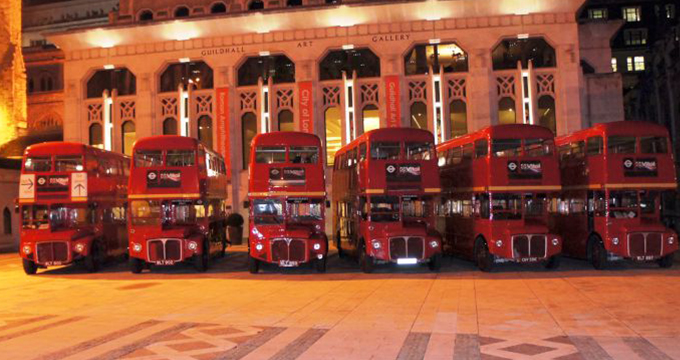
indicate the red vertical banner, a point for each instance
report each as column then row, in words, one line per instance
column 306, row 102
column 222, row 124
column 393, row 101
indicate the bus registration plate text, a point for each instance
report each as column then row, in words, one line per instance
column 288, row 263
column 164, row 262
column 645, row 258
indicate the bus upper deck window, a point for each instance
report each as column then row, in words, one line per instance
column 538, row 147
column 419, row 151
column 38, row 164
column 621, row 144
column 304, row 154
column 68, row 163
column 653, row 145
column 385, row 150
column 506, row 147
column 180, row 158
column 148, row 158
column 270, row 154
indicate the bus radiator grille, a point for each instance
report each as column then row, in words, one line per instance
column 166, row 249
column 528, row 246
column 645, row 244
column 406, row 247
column 292, row 250
column 52, row 251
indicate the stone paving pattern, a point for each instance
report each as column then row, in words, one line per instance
column 516, row 312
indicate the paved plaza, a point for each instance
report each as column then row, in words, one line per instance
column 630, row 312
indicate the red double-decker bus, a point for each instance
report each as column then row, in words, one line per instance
column 497, row 188
column 384, row 188
column 177, row 203
column 614, row 177
column 72, row 203
column 287, row 193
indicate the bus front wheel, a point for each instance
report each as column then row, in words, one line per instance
column 598, row 254
column 553, row 262
column 30, row 268
column 435, row 262
column 253, row 265
column 320, row 265
column 201, row 262
column 365, row 260
column 93, row 261
column 666, row 261
column 483, row 256
column 136, row 265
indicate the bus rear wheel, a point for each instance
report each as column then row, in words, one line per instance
column 136, row 265
column 253, row 265
column 598, row 254
column 483, row 256
column 30, row 268
column 553, row 262
column 435, row 263
column 202, row 261
column 666, row 261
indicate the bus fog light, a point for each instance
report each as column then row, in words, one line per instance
column 317, row 246
column 433, row 244
column 318, row 227
column 27, row 249
column 555, row 241
column 192, row 245
column 137, row 247
column 671, row 240
column 319, row 256
column 499, row 243
column 258, row 247
column 376, row 244
column 615, row 241
column 80, row 247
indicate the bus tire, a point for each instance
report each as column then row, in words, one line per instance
column 666, row 261
column 435, row 263
column 202, row 261
column 253, row 265
column 338, row 245
column 136, row 265
column 223, row 252
column 483, row 258
column 597, row 253
column 30, row 268
column 365, row 260
column 320, row 265
column 553, row 262
column 93, row 261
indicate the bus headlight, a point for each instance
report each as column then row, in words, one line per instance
column 136, row 247
column 499, row 243
column 376, row 244
column 259, row 247
column 192, row 245
column 317, row 246
column 555, row 241
column 615, row 241
column 79, row 247
column 671, row 240
column 27, row 249
column 319, row 256
column 318, row 227
column 434, row 244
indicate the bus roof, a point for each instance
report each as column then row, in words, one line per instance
column 287, row 138
column 390, row 134
column 623, row 128
column 160, row 142
column 57, row 148
column 503, row 131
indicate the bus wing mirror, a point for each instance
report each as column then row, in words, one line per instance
column 328, row 204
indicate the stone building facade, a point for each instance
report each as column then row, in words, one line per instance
column 223, row 71
column 12, row 72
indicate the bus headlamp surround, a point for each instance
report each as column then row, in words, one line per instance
column 555, row 241
column 27, row 249
column 615, row 241
column 79, row 247
column 136, row 247
column 376, row 244
column 434, row 244
column 317, row 246
column 671, row 240
column 192, row 245
column 499, row 243
column 259, row 247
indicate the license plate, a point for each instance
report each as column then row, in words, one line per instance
column 53, row 263
column 645, row 258
column 165, row 262
column 530, row 259
column 407, row 261
column 288, row 263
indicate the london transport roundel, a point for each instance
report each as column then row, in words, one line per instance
column 41, row 181
column 151, row 176
column 391, row 168
column 628, row 163
column 512, row 166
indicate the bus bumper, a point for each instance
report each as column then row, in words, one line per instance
column 641, row 246
column 55, row 252
column 288, row 252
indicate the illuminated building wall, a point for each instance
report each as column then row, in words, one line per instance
column 12, row 72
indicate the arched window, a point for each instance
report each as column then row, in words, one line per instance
column 363, row 61
column 419, row 115
column 286, row 122
column 129, row 135
column 294, row 3
column 96, row 135
column 146, row 15
column 7, row 221
column 279, row 67
column 371, row 117
column 510, row 51
column 218, row 8
column 170, row 126
column 205, row 130
column 449, row 56
column 120, row 79
column 197, row 73
column 182, row 11
column 256, row 5
column 506, row 111
column 458, row 117
column 248, row 132
column 333, row 123
column 546, row 112
column 46, row 82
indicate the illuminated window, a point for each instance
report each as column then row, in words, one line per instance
column 146, row 15
column 615, row 66
column 205, row 134
column 371, row 117
column 506, row 111
column 182, row 11
column 629, row 63
column 129, row 136
column 279, row 67
column 631, row 13
column 363, row 61
column 510, row 51
column 256, row 5
column 635, row 37
column 218, row 8
column 120, row 79
column 419, row 115
column 546, row 112
column 598, row 14
column 458, row 118
column 96, row 136
column 449, row 56
column 333, row 123
column 248, row 132
column 286, row 122
column 670, row 11
column 197, row 73
column 639, row 63
column 170, row 126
